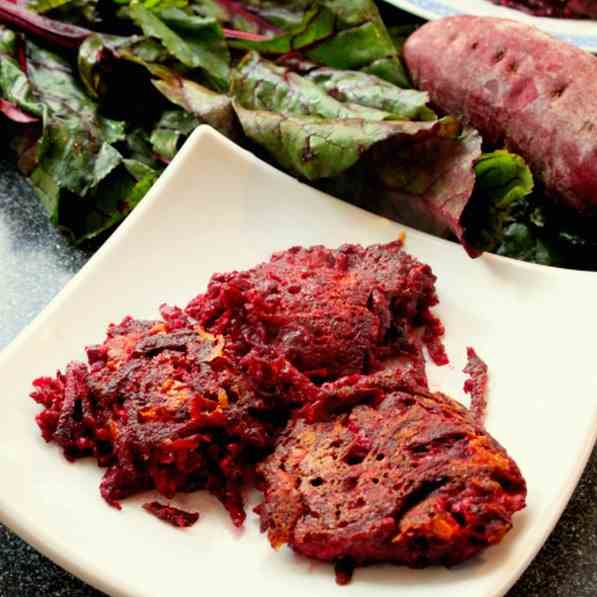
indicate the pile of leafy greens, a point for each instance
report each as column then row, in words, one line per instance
column 97, row 96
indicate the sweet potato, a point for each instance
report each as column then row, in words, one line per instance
column 519, row 87
column 571, row 9
column 586, row 8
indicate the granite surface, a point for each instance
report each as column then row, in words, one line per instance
column 36, row 262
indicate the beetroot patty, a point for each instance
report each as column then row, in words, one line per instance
column 329, row 312
column 163, row 405
column 411, row 480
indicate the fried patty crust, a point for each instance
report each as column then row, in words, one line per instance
column 330, row 312
column 406, row 477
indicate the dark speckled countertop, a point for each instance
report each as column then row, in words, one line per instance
column 36, row 262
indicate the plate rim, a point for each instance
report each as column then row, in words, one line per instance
column 436, row 9
column 94, row 577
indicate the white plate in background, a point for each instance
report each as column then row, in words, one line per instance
column 581, row 33
column 218, row 208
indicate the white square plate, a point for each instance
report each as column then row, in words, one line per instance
column 581, row 33
column 218, row 208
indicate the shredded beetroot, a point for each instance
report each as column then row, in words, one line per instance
column 344, row 570
column 432, row 338
column 171, row 515
column 476, row 384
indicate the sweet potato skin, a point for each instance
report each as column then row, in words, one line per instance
column 521, row 88
column 570, row 9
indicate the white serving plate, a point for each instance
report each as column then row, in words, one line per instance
column 217, row 208
column 581, row 33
